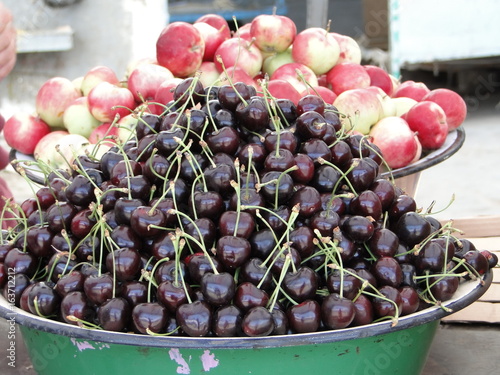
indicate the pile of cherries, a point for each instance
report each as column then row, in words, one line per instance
column 231, row 214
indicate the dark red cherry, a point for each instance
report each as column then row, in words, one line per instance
column 362, row 173
column 189, row 92
column 325, row 221
column 279, row 260
column 202, row 231
column 218, row 178
column 344, row 284
column 262, row 243
column 316, row 149
column 233, row 251
column 341, row 154
column 308, row 200
column 125, row 168
column 337, row 312
column 301, row 284
column 280, row 321
column 411, row 300
column 59, row 265
column 384, row 242
column 403, row 204
column 282, row 139
column 311, row 102
column 70, row 282
column 82, row 223
column 248, row 197
column 138, row 187
column 387, row 271
column 326, row 178
column 114, row 314
column 253, row 115
column 199, row 264
column 363, row 311
column 124, row 236
column 76, row 305
column 134, row 292
column 304, row 317
column 277, row 186
column 21, row 262
column 367, row 203
column 218, row 289
column 387, row 306
column 39, row 241
column 254, row 152
column 172, row 120
column 227, row 321
column 287, row 111
column 80, row 191
column 224, row 118
column 207, row 204
column 305, row 169
column 147, row 221
column 491, row 257
column 45, row 197
column 358, row 228
column 443, row 288
column 255, row 271
column 258, row 321
column 194, row 318
column 172, row 294
column 431, row 257
column 59, row 216
column 385, row 192
column 476, row 260
column 280, row 160
column 147, row 123
column 149, row 316
column 302, row 239
column 195, row 120
column 239, row 224
column 248, row 295
column 43, row 299
column 231, row 95
column 99, row 288
column 310, row 124
column 124, row 263
column 124, row 207
column 224, row 140
column 412, row 228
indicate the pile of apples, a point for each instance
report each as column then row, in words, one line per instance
column 404, row 119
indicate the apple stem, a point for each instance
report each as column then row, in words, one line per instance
column 328, row 25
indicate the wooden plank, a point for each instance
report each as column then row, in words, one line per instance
column 478, row 226
column 492, row 294
column 478, row 312
column 496, row 274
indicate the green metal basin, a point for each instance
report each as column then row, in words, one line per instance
column 61, row 349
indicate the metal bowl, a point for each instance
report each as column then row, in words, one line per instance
column 406, row 177
column 380, row 348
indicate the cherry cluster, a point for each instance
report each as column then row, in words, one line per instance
column 231, row 214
